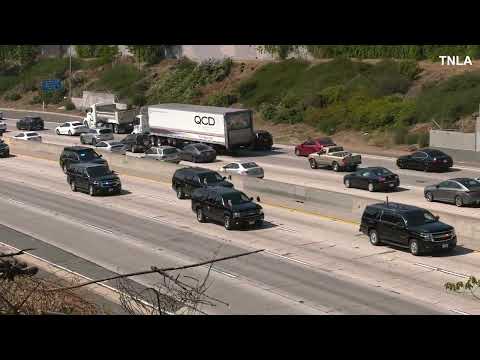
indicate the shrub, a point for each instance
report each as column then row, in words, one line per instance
column 400, row 135
column 221, row 99
column 7, row 82
column 411, row 139
column 268, row 111
column 13, row 97
column 138, row 100
column 424, row 139
column 37, row 99
column 69, row 105
column 245, row 88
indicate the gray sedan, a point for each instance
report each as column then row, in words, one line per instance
column 163, row 153
column 459, row 191
column 94, row 136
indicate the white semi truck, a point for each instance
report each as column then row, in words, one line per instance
column 112, row 115
column 225, row 129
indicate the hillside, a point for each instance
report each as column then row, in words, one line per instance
column 389, row 102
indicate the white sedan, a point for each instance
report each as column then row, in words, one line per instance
column 248, row 168
column 71, row 128
column 28, row 136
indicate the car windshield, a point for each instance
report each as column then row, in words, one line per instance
column 249, row 165
column 88, row 155
column 169, row 151
column 201, row 147
column 32, row 134
column 434, row 153
column 419, row 217
column 470, row 184
column 98, row 171
column 210, row 178
column 235, row 198
column 382, row 172
column 77, row 124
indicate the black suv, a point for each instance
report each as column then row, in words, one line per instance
column 136, row 142
column 226, row 205
column 263, row 140
column 30, row 123
column 4, row 149
column 93, row 178
column 407, row 226
column 79, row 154
column 186, row 180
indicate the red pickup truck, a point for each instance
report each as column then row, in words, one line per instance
column 313, row 146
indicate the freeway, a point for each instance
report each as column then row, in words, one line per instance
column 282, row 165
column 311, row 266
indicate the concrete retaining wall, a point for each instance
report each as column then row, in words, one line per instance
column 300, row 198
column 453, row 140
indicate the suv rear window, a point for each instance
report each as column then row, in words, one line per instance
column 88, row 154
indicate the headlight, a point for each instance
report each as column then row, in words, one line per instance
column 426, row 236
column 236, row 214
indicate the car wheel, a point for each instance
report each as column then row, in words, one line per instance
column 458, row 201
column 70, row 132
column 313, row 163
column 81, row 140
column 259, row 223
column 180, row 194
column 371, row 187
column 400, row 165
column 64, row 168
column 429, row 196
column 94, row 141
column 336, row 167
column 373, row 236
column 347, row 183
column 200, row 215
column 297, row 152
column 414, row 247
column 73, row 186
column 91, row 190
column 58, row 132
column 227, row 223
column 132, row 148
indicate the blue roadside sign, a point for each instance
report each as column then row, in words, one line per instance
column 51, row 85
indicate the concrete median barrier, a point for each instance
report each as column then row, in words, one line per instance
column 343, row 207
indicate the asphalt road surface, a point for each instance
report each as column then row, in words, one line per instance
column 312, row 266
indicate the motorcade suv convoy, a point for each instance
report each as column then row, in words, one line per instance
column 79, row 154
column 30, row 123
column 186, row 180
column 93, row 178
column 228, row 206
column 407, row 226
column 4, row 149
column 426, row 160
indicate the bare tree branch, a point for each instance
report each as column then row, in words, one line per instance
column 156, row 270
column 21, row 252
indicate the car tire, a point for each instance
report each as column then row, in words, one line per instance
column 94, row 141
column 227, row 222
column 371, row 187
column 400, row 165
column 313, row 163
column 70, row 132
column 347, row 183
column 64, row 168
column 429, row 196
column 91, row 190
column 259, row 223
column 73, row 186
column 373, row 237
column 200, row 215
column 81, row 140
column 336, row 167
column 297, row 152
column 414, row 247
column 57, row 131
column 458, row 201
column 180, row 194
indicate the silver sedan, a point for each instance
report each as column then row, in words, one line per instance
column 163, row 153
column 248, row 168
column 112, row 145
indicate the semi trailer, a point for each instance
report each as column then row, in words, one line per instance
column 225, row 129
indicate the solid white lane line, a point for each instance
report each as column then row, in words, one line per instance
column 288, row 258
column 441, row 270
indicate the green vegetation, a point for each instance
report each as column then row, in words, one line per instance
column 184, row 80
column 417, row 52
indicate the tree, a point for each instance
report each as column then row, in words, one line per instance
column 150, row 54
column 472, row 285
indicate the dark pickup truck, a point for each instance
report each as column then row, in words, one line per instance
column 186, row 180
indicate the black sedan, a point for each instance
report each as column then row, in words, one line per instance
column 426, row 160
column 459, row 191
column 372, row 179
column 198, row 153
